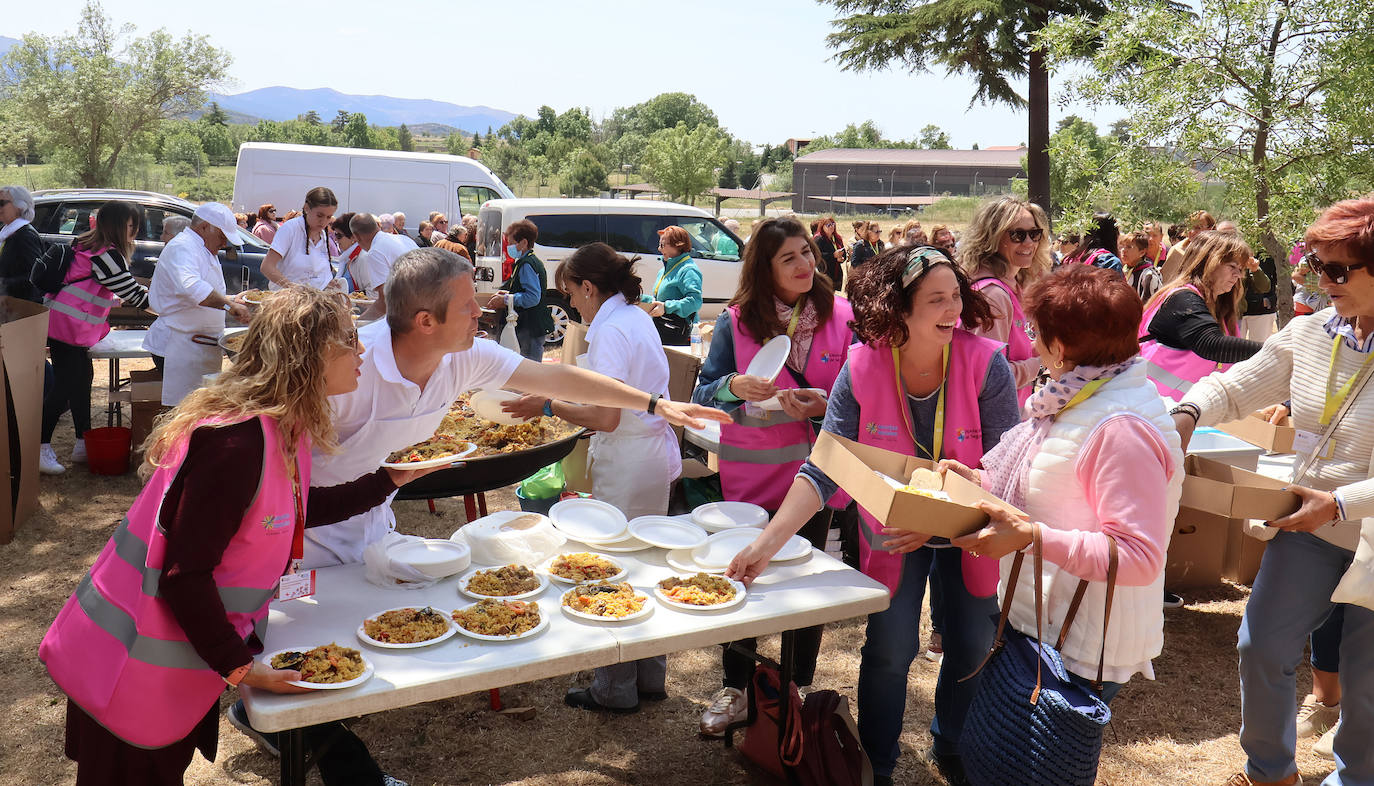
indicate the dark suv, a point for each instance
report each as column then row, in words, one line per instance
column 62, row 214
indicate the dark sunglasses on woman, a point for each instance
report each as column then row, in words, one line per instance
column 1335, row 273
column 1022, row 235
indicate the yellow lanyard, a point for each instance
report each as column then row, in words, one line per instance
column 1082, row 395
column 1335, row 400
column 796, row 315
column 663, row 276
column 937, row 437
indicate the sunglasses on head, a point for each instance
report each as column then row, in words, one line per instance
column 1335, row 273
column 1022, row 235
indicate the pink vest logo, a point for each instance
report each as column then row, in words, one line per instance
column 881, row 431
column 276, row 525
column 969, row 434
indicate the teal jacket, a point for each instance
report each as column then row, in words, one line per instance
column 679, row 288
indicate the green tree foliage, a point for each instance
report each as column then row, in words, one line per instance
column 99, row 93
column 682, row 161
column 184, row 153
column 993, row 41
column 933, row 138
column 340, row 121
column 405, row 139
column 457, row 145
column 312, row 117
column 356, row 132
column 1271, row 97
column 585, row 175
column 215, row 116
column 663, row 111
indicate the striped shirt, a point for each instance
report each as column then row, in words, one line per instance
column 112, row 272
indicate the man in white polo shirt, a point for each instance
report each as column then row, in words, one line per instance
column 416, row 362
column 188, row 294
column 380, row 252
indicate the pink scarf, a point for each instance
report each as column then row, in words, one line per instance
column 1008, row 464
column 806, row 330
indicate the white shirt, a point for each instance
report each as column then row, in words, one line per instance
column 372, row 266
column 409, row 242
column 623, row 344
column 386, row 413
column 186, row 274
column 297, row 265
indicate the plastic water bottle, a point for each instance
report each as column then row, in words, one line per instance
column 696, row 340
column 508, row 339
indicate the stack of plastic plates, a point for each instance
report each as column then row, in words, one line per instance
column 720, row 516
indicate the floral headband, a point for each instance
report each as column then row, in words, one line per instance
column 920, row 260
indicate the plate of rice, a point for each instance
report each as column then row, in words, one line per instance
column 606, row 601
column 439, row 450
column 500, row 620
column 700, row 592
column 406, row 628
column 508, row 582
column 580, row 567
column 326, row 667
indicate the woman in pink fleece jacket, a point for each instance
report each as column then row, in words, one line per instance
column 1099, row 460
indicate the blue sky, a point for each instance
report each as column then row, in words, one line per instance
column 762, row 66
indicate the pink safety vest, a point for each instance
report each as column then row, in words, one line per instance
column 883, row 424
column 1019, row 344
column 116, row 650
column 759, row 457
column 1173, row 371
column 80, row 311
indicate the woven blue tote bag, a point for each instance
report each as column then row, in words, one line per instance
column 1028, row 723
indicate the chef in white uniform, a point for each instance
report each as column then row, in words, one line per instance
column 634, row 455
column 188, row 294
column 380, row 251
column 415, row 364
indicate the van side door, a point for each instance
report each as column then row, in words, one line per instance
column 717, row 254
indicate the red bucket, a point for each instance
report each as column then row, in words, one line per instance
column 107, row 450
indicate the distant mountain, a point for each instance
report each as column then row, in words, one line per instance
column 235, row 118
column 431, row 129
column 286, row 103
column 6, row 44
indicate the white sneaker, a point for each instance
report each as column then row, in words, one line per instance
column 47, row 461
column 1315, row 718
column 1325, row 747
column 727, row 706
column 79, row 452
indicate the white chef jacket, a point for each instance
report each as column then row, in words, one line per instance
column 371, row 268
column 186, row 274
column 298, row 265
column 386, row 413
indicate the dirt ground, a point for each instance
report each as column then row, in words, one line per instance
column 1179, row 729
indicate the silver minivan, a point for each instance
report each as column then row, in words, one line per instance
column 630, row 226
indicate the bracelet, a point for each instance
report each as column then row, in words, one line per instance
column 653, row 402
column 548, row 407
column 233, row 678
column 1191, row 410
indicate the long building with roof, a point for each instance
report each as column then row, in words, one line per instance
column 851, row 180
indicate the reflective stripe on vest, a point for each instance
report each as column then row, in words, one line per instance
column 782, row 455
column 117, row 622
column 75, row 313
column 1166, row 377
column 88, row 296
column 130, row 548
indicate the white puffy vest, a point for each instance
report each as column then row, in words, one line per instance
column 1056, row 498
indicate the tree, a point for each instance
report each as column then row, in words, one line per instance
column 682, row 161
column 355, row 131
column 216, row 116
column 456, row 144
column 585, row 175
column 574, row 124
column 184, row 153
column 405, row 139
column 99, row 93
column 663, row 111
column 994, row 41
column 932, row 138
column 476, row 140
column 1269, row 96
column 312, row 117
column 340, row 121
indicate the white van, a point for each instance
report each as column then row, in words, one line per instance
column 630, row 226
column 372, row 181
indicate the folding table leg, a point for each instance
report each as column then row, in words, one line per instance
column 292, row 746
column 432, row 511
column 482, row 503
column 469, row 507
column 494, row 698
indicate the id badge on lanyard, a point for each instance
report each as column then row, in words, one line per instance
column 296, row 583
column 1305, row 444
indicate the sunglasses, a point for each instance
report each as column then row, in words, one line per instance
column 1335, row 273
column 1022, row 235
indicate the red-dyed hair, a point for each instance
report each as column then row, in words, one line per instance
column 1092, row 311
column 1347, row 225
column 264, row 210
column 676, row 237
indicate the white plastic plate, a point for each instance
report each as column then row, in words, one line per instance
column 535, row 631
column 366, row 639
column 771, row 357
column 588, row 520
column 548, row 564
column 644, row 611
column 719, row 516
column 666, row 532
column 487, row 404
column 740, row 592
column 722, row 547
column 358, row 680
column 434, row 557
column 774, row 404
column 463, row 587
column 681, row 561
column 442, row 461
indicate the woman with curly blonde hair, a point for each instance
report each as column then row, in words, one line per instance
column 165, row 619
column 1190, row 326
column 1006, row 248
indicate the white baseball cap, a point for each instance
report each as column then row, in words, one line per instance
column 221, row 218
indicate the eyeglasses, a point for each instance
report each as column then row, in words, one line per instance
column 1031, row 332
column 1336, row 273
column 351, row 338
column 1022, row 235
column 4, row 202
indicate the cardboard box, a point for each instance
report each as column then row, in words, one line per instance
column 23, row 335
column 853, row 467
column 145, row 405
column 1263, row 434
column 1197, row 550
column 1234, row 493
column 1241, row 561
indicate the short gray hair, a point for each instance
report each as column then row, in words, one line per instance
column 21, row 198
column 362, row 224
column 418, row 282
column 175, row 224
column 386, row 221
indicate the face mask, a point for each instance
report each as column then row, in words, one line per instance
column 513, row 251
